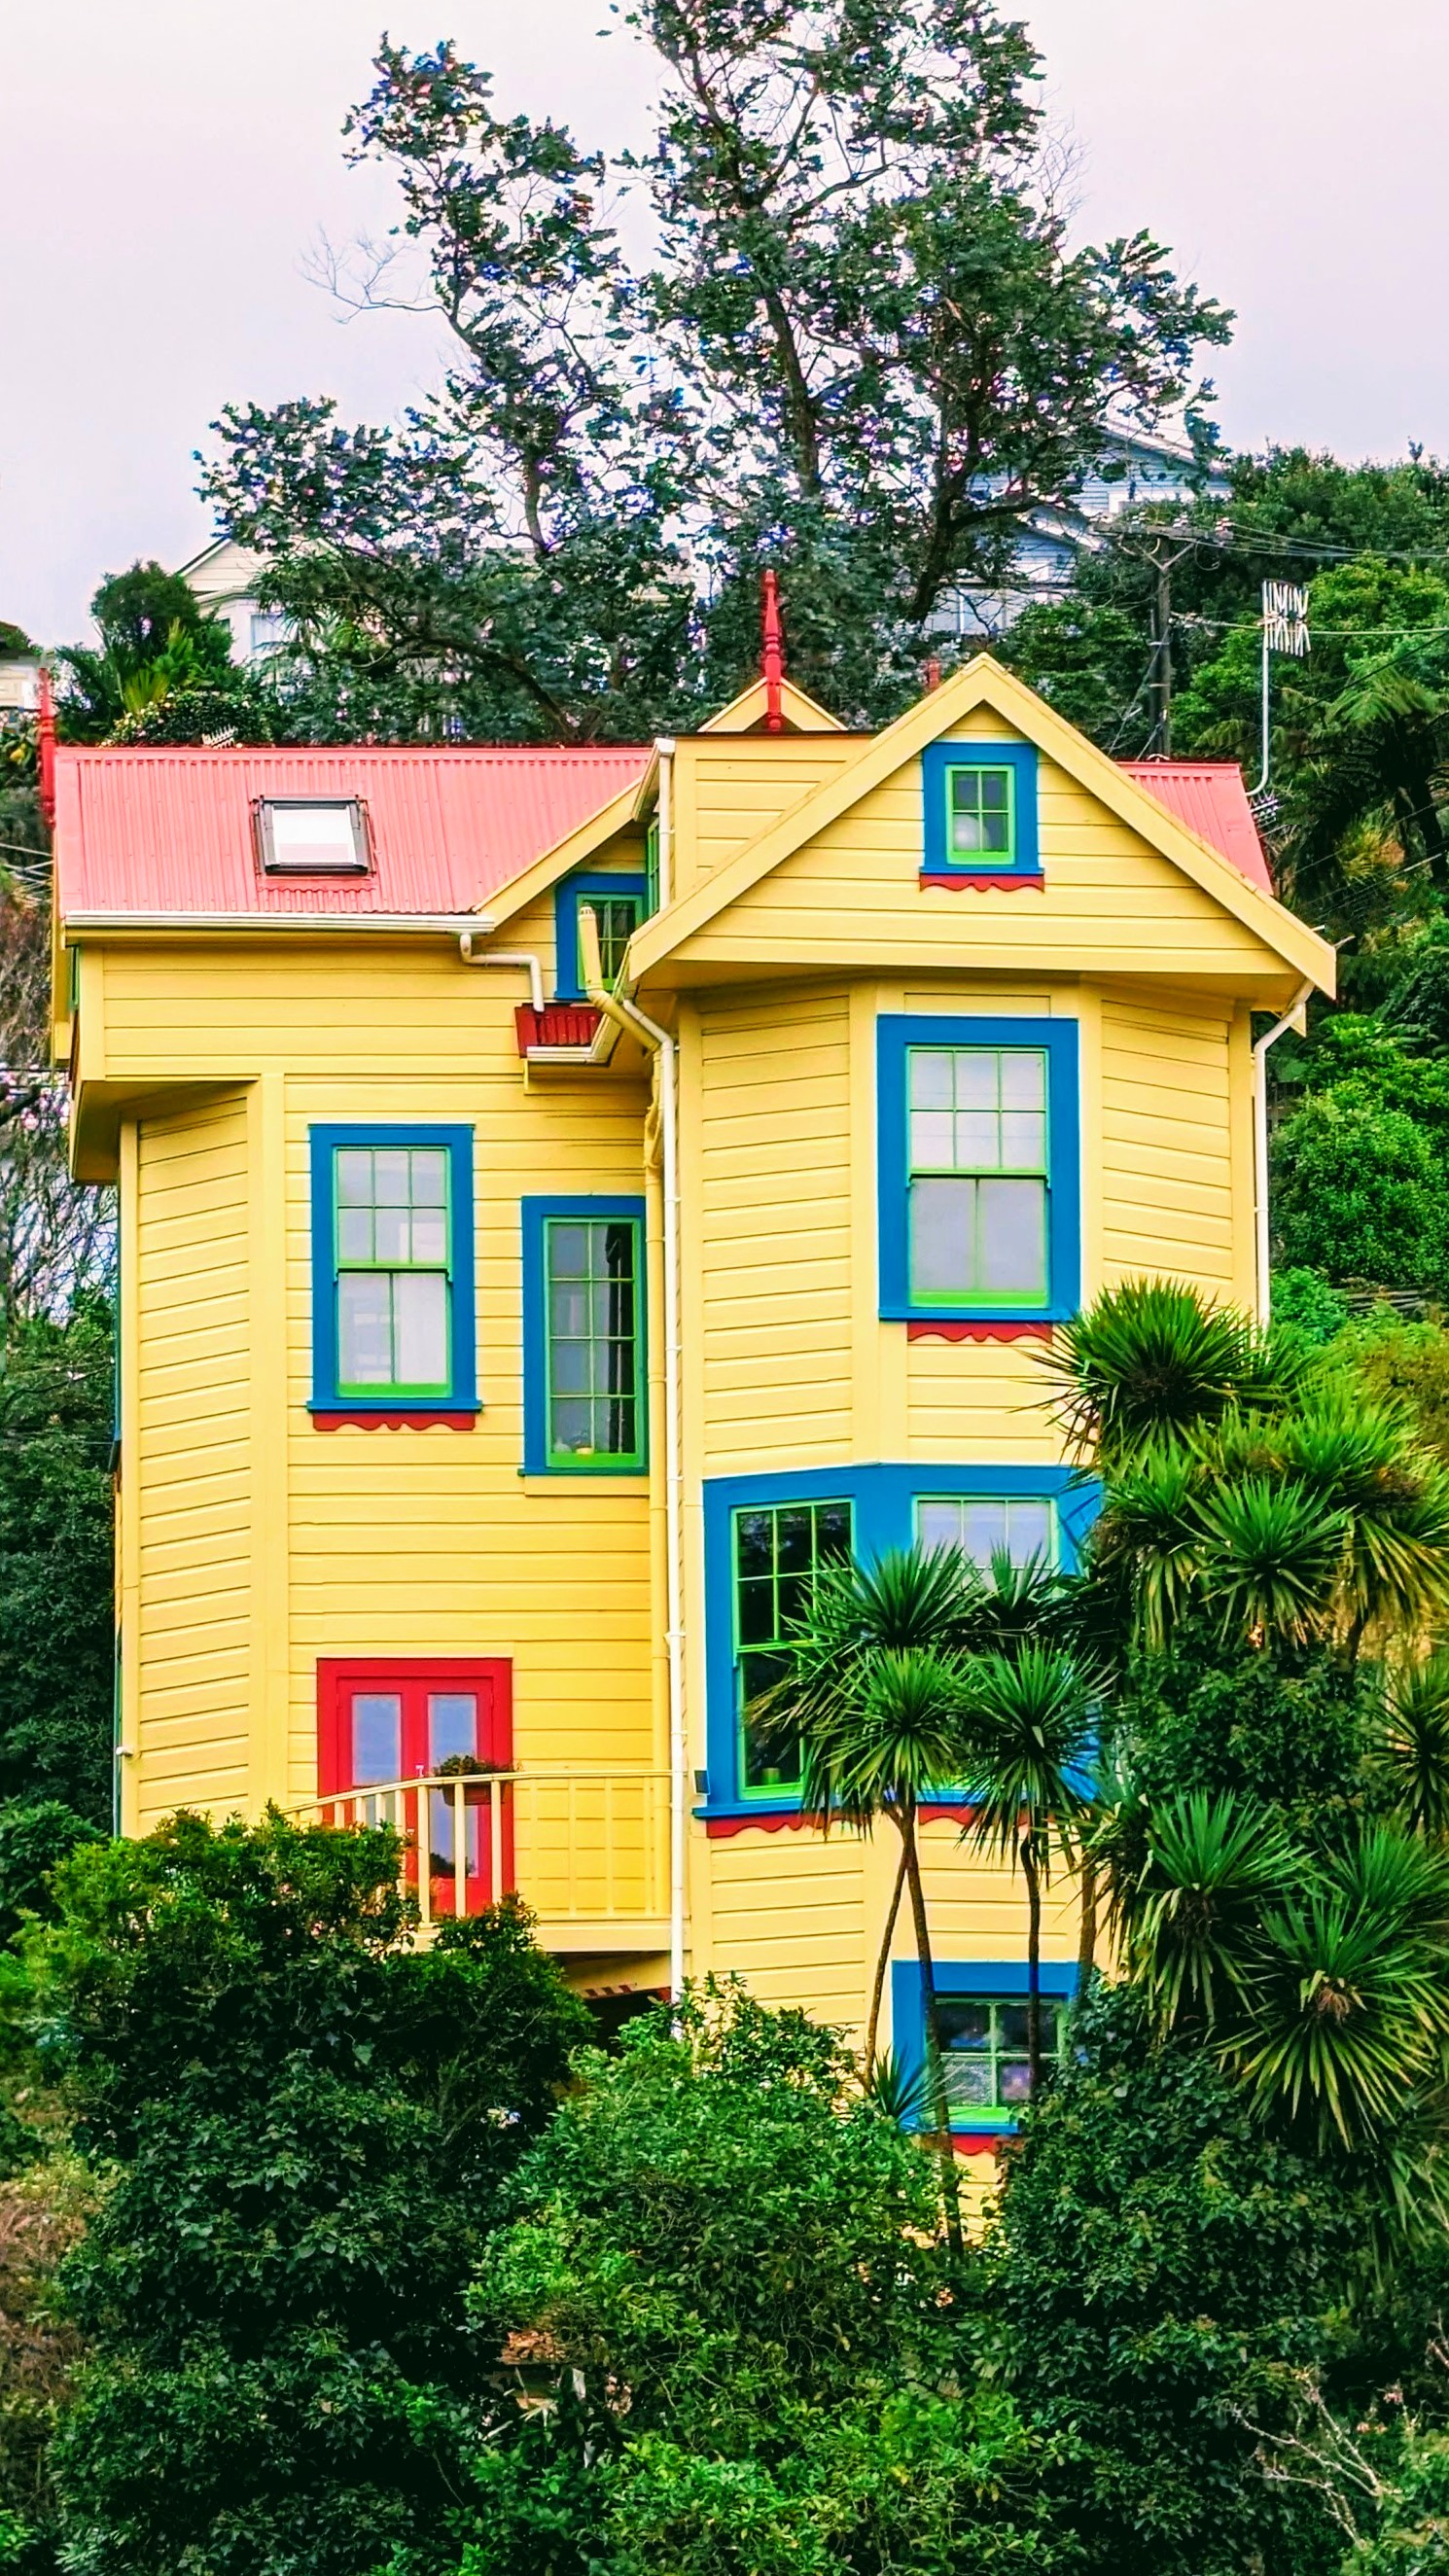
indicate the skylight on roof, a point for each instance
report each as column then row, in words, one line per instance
column 312, row 836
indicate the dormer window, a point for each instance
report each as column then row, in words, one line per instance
column 312, row 836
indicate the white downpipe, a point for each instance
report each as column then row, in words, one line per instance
column 472, row 956
column 627, row 1014
column 1260, row 1141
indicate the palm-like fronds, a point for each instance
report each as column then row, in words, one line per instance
column 1189, row 1920
column 1271, row 1557
column 1151, row 1360
column 1363, row 1460
column 1027, row 1730
column 903, row 2092
column 1345, row 2017
column 1149, row 1533
column 1413, row 1754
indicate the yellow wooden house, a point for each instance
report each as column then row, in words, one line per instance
column 567, row 1195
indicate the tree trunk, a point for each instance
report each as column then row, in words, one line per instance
column 878, row 1989
column 935, row 2072
column 1033, row 1962
column 1087, row 1938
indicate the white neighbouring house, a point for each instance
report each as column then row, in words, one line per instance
column 1133, row 468
column 223, row 579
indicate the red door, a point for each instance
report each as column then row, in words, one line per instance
column 382, row 1724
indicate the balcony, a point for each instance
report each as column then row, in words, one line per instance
column 588, row 1851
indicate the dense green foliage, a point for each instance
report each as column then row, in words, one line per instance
column 163, row 671
column 863, row 346
column 57, row 1616
column 307, row 2125
column 1166, row 2280
column 736, row 2342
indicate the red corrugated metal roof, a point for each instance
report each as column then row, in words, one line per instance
column 1210, row 798
column 171, row 830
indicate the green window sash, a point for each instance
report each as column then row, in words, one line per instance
column 981, row 816
column 392, row 1251
column 985, row 2049
column 977, row 1166
column 778, row 1549
column 593, row 1270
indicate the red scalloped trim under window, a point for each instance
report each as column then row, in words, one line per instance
column 393, row 1421
column 558, row 1024
column 721, row 1829
column 981, row 1331
column 984, row 884
column 982, row 2142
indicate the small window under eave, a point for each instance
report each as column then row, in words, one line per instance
column 312, row 836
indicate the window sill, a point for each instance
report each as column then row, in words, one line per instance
column 987, row 881
column 539, row 1472
column 392, row 1417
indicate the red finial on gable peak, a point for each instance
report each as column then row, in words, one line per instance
column 933, row 675
column 45, row 744
column 772, row 659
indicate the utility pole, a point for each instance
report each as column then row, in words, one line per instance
column 1162, row 553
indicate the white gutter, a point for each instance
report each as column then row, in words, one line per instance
column 427, row 925
column 504, row 957
column 627, row 1015
column 1294, row 1013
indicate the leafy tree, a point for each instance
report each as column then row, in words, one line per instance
column 159, row 650
column 306, row 2123
column 731, row 2334
column 1358, row 1194
column 864, row 350
column 57, row 1615
column 1164, row 2275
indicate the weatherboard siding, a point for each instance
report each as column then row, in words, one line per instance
column 187, row 1462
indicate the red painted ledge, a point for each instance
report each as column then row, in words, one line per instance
column 1001, row 883
column 558, row 1024
column 921, row 1331
column 393, row 1421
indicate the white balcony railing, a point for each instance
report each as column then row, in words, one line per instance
column 588, row 1850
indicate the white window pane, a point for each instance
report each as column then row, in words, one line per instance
column 1029, row 1532
column 364, row 1329
column 1023, row 1081
column 1012, row 1235
column 983, row 1531
column 978, row 1141
column 931, row 1142
column 930, row 1079
column 420, row 1307
column 976, row 1079
column 354, row 1234
column 312, row 836
column 452, row 1725
column 429, row 1176
column 941, row 1226
column 1023, row 1141
column 391, row 1176
column 376, row 1737
column 392, row 1233
column 938, row 1524
column 354, row 1179
column 430, row 1234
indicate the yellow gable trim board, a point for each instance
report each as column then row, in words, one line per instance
column 983, row 682
column 585, row 842
column 752, row 705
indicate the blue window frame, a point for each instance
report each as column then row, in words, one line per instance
column 982, row 2008
column 620, row 902
column 885, row 1505
column 393, row 1327
column 980, row 810
column 585, row 1366
column 979, row 1169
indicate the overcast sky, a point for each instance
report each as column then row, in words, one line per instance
column 166, row 164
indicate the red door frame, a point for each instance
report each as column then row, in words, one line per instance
column 411, row 1678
